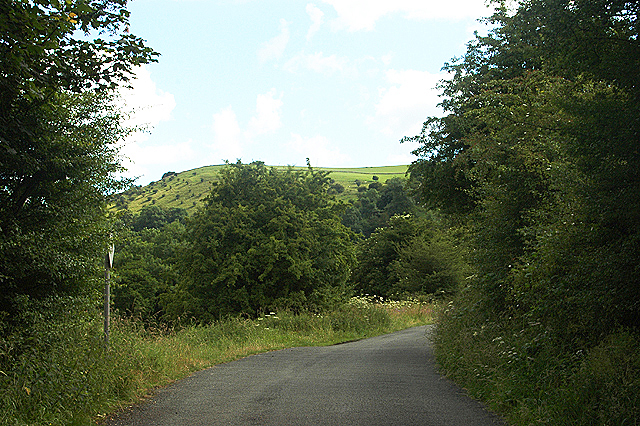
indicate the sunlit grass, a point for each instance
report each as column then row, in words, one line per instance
column 517, row 368
column 187, row 189
column 59, row 373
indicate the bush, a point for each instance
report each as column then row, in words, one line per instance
column 265, row 238
column 606, row 387
column 412, row 255
column 521, row 369
column 52, row 366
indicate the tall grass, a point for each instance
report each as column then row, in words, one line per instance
column 55, row 370
column 521, row 371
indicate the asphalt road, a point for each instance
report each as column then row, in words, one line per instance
column 385, row 380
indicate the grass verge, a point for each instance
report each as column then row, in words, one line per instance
column 56, row 371
column 521, row 371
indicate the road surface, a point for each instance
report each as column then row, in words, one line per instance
column 385, row 380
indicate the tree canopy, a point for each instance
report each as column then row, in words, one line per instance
column 539, row 150
column 410, row 255
column 264, row 239
column 58, row 136
column 377, row 203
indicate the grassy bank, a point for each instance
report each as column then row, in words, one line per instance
column 519, row 369
column 187, row 189
column 58, row 372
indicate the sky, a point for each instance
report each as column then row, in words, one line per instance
column 340, row 82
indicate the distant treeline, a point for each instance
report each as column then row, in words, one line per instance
column 269, row 238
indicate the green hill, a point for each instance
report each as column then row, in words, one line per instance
column 185, row 189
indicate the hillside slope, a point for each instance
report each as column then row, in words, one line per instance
column 186, row 189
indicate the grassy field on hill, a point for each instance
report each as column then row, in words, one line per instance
column 185, row 189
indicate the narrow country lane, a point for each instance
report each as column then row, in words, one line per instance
column 385, row 380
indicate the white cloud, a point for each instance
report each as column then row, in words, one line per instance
column 317, row 19
column 139, row 159
column 404, row 157
column 327, row 65
column 227, row 135
column 358, row 15
column 231, row 138
column 274, row 48
column 408, row 100
column 386, row 59
column 267, row 118
column 318, row 150
column 146, row 104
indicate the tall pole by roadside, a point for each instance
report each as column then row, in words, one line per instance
column 108, row 264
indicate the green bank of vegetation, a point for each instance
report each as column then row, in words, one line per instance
column 269, row 238
column 537, row 157
column 522, row 213
column 61, row 373
column 187, row 190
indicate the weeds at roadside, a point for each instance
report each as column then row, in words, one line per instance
column 516, row 367
column 56, row 371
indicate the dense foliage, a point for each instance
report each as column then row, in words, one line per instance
column 540, row 148
column 377, row 203
column 265, row 238
column 539, row 155
column 271, row 238
column 58, row 135
column 52, row 218
column 145, row 271
column 412, row 254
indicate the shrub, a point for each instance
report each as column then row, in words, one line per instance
column 265, row 236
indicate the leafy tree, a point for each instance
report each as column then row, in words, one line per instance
column 375, row 185
column 373, row 274
column 539, row 155
column 265, row 238
column 145, row 273
column 367, row 205
column 52, row 218
column 176, row 214
column 58, row 132
column 377, row 204
column 336, row 188
column 539, row 152
column 150, row 217
column 411, row 255
column 154, row 217
column 352, row 218
column 395, row 198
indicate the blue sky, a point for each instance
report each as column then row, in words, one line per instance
column 279, row 81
